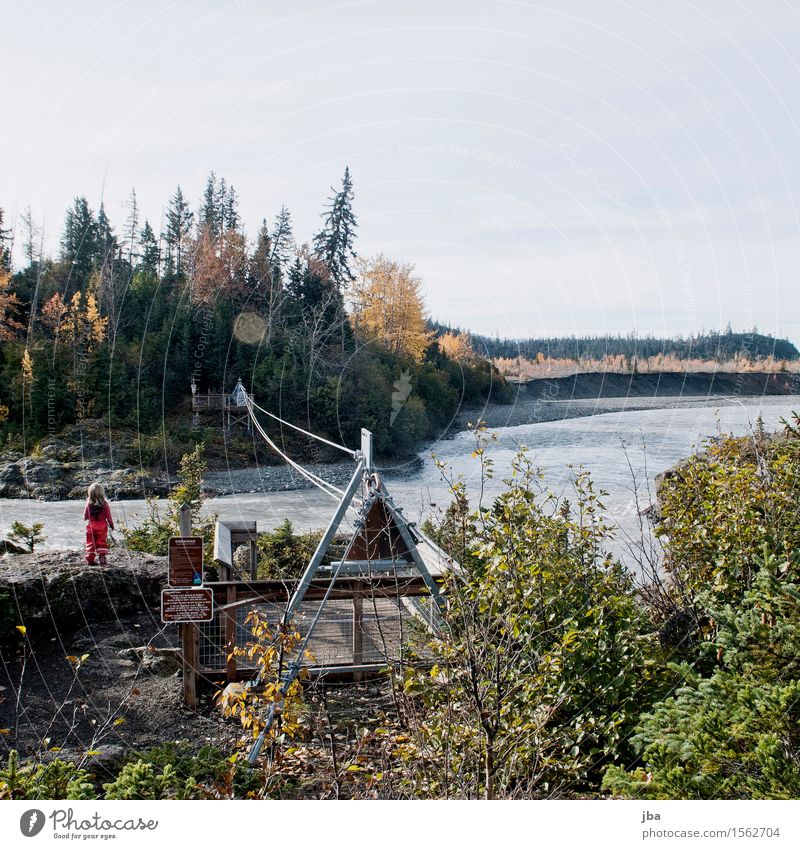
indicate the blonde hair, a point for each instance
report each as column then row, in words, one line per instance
column 97, row 495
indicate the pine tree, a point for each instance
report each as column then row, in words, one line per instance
column 176, row 232
column 230, row 211
column 107, row 247
column 79, row 242
column 334, row 243
column 282, row 243
column 5, row 245
column 151, row 257
column 31, row 246
column 209, row 217
column 132, row 228
column 265, row 278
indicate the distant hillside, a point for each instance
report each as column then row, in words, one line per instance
column 720, row 346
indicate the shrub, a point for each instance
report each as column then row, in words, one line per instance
column 54, row 780
column 732, row 734
column 545, row 663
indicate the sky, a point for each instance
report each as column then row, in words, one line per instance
column 554, row 168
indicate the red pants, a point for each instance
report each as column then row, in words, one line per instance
column 96, row 540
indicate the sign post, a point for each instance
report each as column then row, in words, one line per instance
column 195, row 604
column 185, row 600
column 185, row 562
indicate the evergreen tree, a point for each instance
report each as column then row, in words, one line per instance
column 282, row 242
column 79, row 242
column 107, row 247
column 132, row 228
column 265, row 279
column 230, row 210
column 176, row 232
column 334, row 243
column 5, row 245
column 209, row 216
column 30, row 248
column 150, row 253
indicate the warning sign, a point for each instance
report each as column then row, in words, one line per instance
column 187, row 605
column 185, row 562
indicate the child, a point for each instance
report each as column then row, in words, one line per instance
column 98, row 515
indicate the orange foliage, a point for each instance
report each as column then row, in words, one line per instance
column 219, row 265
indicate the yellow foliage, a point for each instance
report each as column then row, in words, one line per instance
column 95, row 324
column 387, row 305
column 457, row 346
column 27, row 367
column 525, row 369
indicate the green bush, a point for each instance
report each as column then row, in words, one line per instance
column 56, row 779
column 284, row 554
column 546, row 661
column 153, row 533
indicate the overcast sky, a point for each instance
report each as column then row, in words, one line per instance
column 549, row 168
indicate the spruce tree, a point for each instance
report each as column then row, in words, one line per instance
column 176, row 232
column 230, row 210
column 334, row 243
column 107, row 247
column 132, row 228
column 282, row 242
column 209, row 216
column 79, row 242
column 5, row 246
column 150, row 253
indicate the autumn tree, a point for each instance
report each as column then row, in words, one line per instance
column 9, row 305
column 219, row 265
column 457, row 346
column 387, row 305
column 5, row 245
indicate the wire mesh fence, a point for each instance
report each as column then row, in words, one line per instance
column 378, row 630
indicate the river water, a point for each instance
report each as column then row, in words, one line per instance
column 615, row 447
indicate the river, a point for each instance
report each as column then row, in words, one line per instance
column 614, row 447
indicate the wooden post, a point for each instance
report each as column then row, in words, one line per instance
column 189, row 631
column 358, row 634
column 230, row 634
column 185, row 520
column 253, row 560
column 189, row 636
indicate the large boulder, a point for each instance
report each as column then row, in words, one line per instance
column 12, row 481
column 56, row 591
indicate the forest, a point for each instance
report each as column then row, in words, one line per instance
column 559, row 672
column 710, row 346
column 119, row 325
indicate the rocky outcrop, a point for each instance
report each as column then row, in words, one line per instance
column 55, row 592
column 57, row 473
